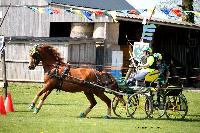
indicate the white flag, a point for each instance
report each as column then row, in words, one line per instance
column 0, row 14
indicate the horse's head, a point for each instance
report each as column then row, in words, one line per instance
column 34, row 57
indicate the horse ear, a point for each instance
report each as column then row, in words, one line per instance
column 36, row 46
column 34, row 49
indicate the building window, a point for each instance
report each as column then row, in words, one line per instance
column 60, row 29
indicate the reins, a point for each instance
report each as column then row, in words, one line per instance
column 110, row 91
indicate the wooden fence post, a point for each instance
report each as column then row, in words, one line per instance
column 3, row 66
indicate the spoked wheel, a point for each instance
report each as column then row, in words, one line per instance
column 176, row 107
column 139, row 106
column 119, row 106
column 158, row 107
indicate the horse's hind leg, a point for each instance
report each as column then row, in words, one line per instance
column 104, row 98
column 93, row 102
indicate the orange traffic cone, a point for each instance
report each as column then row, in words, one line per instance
column 2, row 107
column 9, row 105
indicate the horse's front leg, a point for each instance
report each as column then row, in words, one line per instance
column 34, row 101
column 37, row 109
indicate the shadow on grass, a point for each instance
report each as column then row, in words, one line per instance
column 112, row 118
column 129, row 118
column 59, row 104
column 183, row 120
column 194, row 115
column 20, row 111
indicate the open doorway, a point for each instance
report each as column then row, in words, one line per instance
column 60, row 29
column 133, row 31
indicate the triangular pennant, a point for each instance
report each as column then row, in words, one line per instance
column 56, row 11
column 49, row 10
column 78, row 12
column 87, row 14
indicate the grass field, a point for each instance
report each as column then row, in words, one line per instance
column 60, row 114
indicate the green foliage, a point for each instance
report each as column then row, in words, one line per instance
column 60, row 114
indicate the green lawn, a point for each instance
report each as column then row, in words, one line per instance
column 60, row 114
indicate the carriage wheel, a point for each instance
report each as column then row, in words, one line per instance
column 119, row 106
column 176, row 107
column 139, row 106
column 158, row 107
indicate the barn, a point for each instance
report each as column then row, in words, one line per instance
column 90, row 32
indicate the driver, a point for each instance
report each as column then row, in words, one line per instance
column 149, row 66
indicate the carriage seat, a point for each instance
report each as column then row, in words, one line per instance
column 151, row 78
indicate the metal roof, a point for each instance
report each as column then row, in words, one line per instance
column 121, row 5
column 96, row 4
column 167, row 22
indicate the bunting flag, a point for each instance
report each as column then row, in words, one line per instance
column 98, row 12
column 125, row 12
column 41, row 10
column 114, row 15
column 68, row 10
column 78, row 12
column 87, row 14
column 107, row 14
column 56, row 11
column 142, row 10
column 33, row 8
column 177, row 12
column 134, row 12
column 49, row 10
column 166, row 11
column 172, row 12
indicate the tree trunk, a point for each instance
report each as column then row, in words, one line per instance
column 187, row 5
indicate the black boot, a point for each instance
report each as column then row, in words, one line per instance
column 131, row 82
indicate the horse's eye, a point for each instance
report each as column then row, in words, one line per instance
column 34, row 55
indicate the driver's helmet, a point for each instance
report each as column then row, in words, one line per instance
column 148, row 49
column 157, row 56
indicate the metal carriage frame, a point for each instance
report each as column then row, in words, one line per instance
column 142, row 103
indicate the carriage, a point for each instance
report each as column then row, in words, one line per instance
column 139, row 102
column 142, row 101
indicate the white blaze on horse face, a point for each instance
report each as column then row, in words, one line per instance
column 31, row 63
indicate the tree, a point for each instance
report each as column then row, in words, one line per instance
column 187, row 5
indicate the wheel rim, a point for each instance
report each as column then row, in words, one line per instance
column 139, row 106
column 176, row 108
column 119, row 107
column 158, row 109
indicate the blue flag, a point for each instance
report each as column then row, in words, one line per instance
column 87, row 14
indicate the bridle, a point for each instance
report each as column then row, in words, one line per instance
column 35, row 55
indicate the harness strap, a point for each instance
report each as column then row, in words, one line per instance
column 60, row 78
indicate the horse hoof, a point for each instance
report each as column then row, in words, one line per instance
column 32, row 106
column 82, row 115
column 107, row 117
column 36, row 110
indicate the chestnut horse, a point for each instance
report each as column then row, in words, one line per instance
column 58, row 75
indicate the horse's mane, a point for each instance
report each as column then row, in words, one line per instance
column 52, row 51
